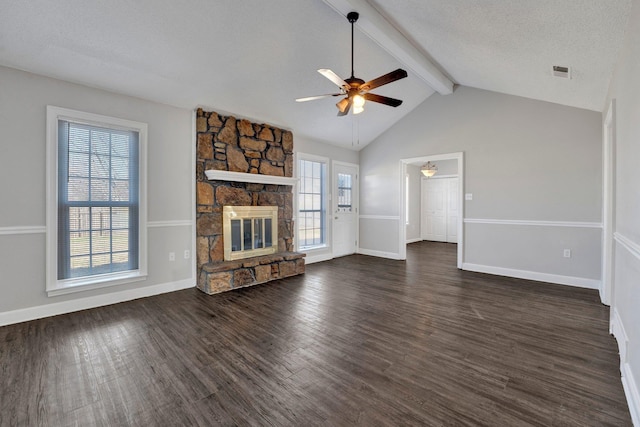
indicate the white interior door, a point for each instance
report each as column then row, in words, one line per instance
column 453, row 211
column 345, row 208
column 434, row 210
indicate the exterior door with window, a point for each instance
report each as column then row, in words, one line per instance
column 345, row 208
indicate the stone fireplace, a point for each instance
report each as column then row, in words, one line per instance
column 242, row 164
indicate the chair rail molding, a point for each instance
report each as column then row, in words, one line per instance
column 381, row 217
column 575, row 224
column 23, row 229
column 628, row 244
column 174, row 223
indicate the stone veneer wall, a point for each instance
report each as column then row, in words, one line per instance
column 225, row 143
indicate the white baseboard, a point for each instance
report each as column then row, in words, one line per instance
column 631, row 390
column 579, row 282
column 618, row 331
column 379, row 254
column 312, row 259
column 54, row 309
column 417, row 239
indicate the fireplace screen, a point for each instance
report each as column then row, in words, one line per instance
column 249, row 231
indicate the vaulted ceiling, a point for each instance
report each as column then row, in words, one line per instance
column 252, row 58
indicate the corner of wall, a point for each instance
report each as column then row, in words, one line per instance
column 631, row 390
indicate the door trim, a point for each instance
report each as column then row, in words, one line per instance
column 402, row 228
column 608, row 198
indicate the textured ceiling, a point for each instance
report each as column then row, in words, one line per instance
column 252, row 58
column 510, row 46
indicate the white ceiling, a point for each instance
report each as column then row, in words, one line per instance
column 252, row 58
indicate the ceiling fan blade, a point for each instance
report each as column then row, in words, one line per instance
column 311, row 98
column 383, row 80
column 334, row 78
column 344, row 106
column 392, row 102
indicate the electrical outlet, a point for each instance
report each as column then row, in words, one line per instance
column 172, row 256
column 187, row 254
column 567, row 253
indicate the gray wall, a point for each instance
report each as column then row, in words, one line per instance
column 333, row 152
column 447, row 167
column 625, row 89
column 23, row 101
column 524, row 160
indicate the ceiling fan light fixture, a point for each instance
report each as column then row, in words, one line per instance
column 358, row 104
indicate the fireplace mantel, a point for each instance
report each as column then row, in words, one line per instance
column 213, row 175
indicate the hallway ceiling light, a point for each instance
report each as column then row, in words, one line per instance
column 429, row 169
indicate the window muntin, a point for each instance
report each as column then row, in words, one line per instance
column 312, row 204
column 345, row 190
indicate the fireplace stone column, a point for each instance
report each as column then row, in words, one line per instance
column 227, row 144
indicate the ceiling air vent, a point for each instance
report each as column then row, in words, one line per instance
column 562, row 72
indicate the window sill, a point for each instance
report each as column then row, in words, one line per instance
column 63, row 287
column 313, row 248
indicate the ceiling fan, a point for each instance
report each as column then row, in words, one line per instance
column 355, row 89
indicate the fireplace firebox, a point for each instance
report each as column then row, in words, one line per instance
column 249, row 231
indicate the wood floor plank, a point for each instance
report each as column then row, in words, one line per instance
column 355, row 341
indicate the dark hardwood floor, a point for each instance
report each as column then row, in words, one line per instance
column 355, row 341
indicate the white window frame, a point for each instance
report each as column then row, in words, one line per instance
column 326, row 198
column 58, row 287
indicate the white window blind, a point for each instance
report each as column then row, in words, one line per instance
column 98, row 200
column 311, row 204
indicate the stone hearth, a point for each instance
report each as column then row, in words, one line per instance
column 228, row 144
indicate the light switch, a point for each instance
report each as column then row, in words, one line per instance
column 468, row 196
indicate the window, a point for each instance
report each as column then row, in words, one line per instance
column 344, row 192
column 312, row 203
column 96, row 228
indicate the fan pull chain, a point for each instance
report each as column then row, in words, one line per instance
column 355, row 130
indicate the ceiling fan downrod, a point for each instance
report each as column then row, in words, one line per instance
column 352, row 17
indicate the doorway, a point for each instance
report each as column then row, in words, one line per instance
column 459, row 218
column 345, row 208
